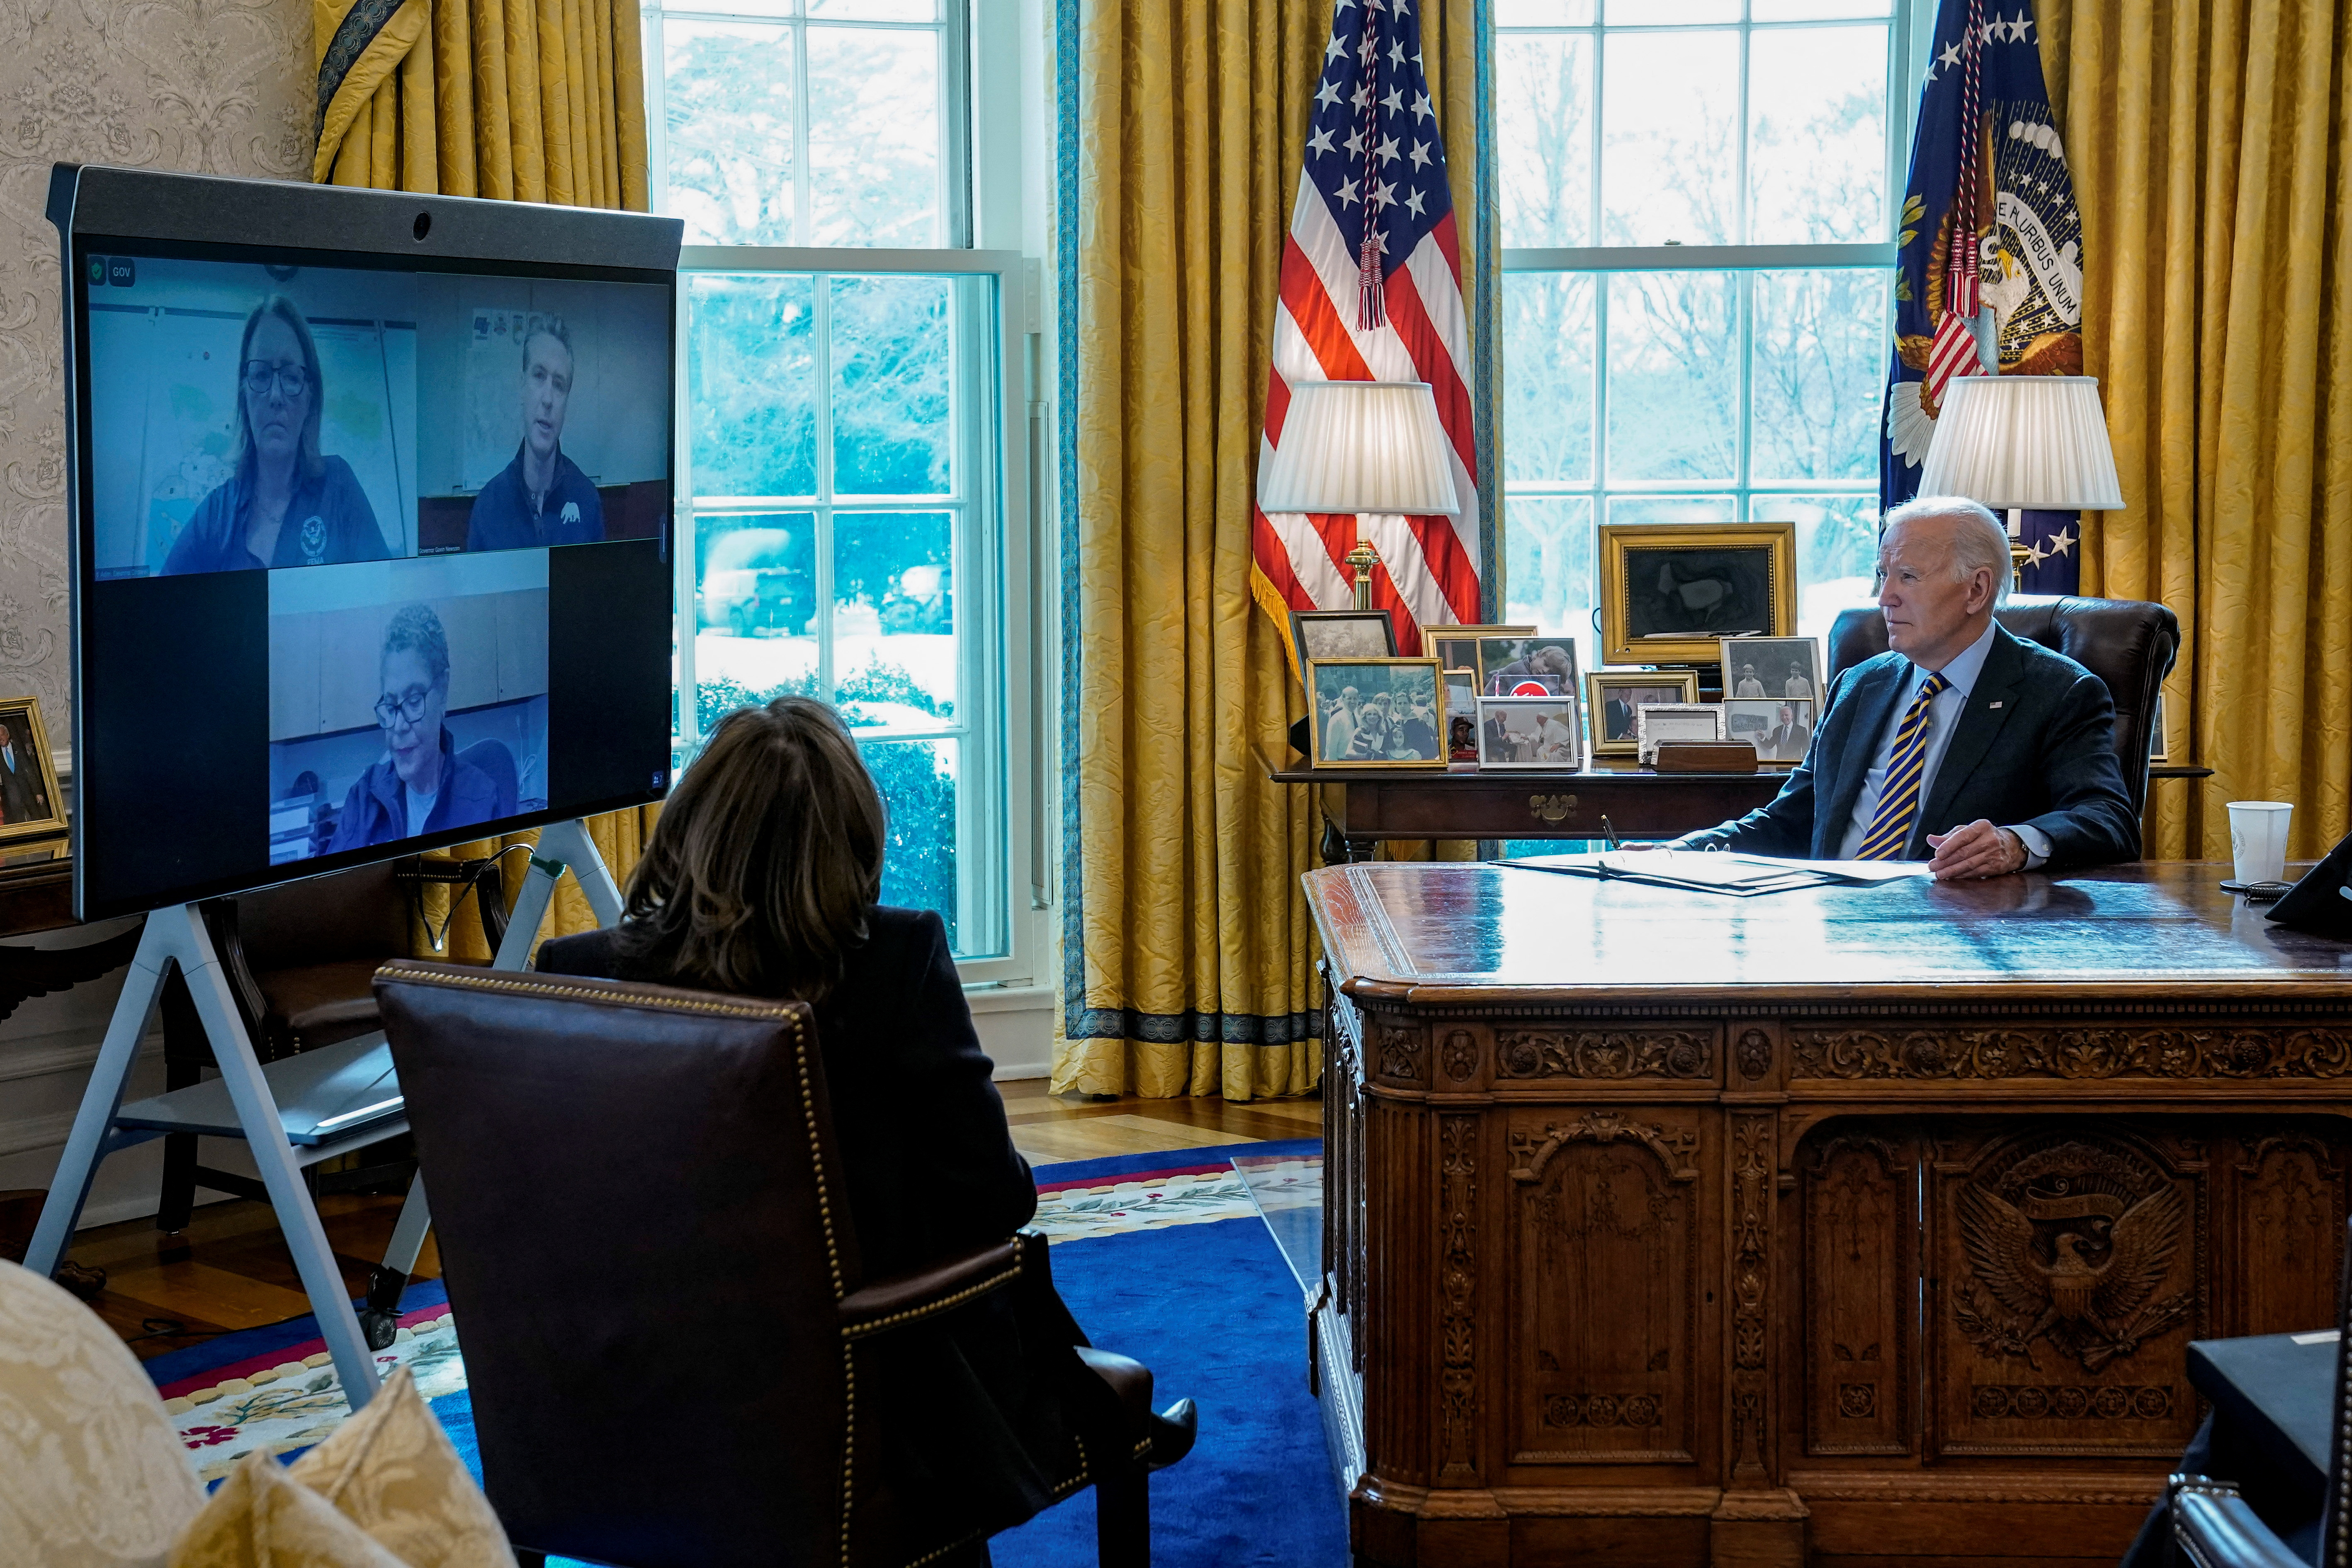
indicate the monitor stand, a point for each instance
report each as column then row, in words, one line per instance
column 256, row 1113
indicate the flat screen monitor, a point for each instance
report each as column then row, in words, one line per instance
column 372, row 536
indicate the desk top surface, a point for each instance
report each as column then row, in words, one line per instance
column 1435, row 931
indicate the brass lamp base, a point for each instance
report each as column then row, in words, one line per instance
column 1363, row 558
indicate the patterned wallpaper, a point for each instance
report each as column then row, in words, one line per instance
column 219, row 87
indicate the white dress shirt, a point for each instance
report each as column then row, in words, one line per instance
column 1943, row 717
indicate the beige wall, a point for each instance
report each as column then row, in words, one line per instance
column 216, row 87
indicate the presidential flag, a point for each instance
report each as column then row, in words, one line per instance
column 1371, row 290
column 1988, row 273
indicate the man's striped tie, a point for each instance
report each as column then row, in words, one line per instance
column 1898, row 797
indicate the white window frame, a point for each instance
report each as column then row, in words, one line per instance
column 1910, row 25
column 1000, row 834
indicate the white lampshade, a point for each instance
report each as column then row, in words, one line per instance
column 1361, row 446
column 2024, row 441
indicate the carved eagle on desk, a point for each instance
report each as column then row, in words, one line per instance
column 2088, row 1291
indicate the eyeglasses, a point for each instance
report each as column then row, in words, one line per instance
column 408, row 705
column 293, row 380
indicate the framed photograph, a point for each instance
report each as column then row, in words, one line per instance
column 1676, row 722
column 1779, row 731
column 1462, row 731
column 2160, row 744
column 1527, row 666
column 1340, row 634
column 1771, row 670
column 1529, row 732
column 29, row 803
column 1671, row 591
column 1616, row 696
column 1456, row 648
column 1376, row 714
column 1461, row 691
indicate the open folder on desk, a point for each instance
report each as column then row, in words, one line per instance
column 1708, row 872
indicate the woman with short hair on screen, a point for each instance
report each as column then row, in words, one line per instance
column 422, row 783
column 762, row 879
column 285, row 503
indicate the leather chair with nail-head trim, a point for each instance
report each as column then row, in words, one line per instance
column 2129, row 644
column 675, row 1357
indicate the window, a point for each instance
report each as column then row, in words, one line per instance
column 843, row 466
column 1698, row 231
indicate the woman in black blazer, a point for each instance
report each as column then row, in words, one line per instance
column 760, row 880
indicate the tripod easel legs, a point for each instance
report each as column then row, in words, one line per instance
column 177, row 935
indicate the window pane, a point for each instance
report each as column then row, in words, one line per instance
column 873, row 137
column 1546, row 104
column 1820, row 371
column 917, row 780
column 1814, row 10
column 894, row 644
column 1625, row 510
column 1547, row 543
column 1837, row 552
column 1670, row 13
column 1548, row 375
column 754, row 607
column 1673, row 375
column 891, row 430
column 878, row 10
column 1670, row 105
column 1543, row 14
column 1817, row 136
column 750, row 385
column 727, row 122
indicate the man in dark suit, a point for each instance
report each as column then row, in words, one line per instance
column 1963, row 745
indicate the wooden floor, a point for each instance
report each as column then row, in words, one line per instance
column 229, row 1270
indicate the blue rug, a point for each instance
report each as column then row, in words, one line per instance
column 1209, row 1306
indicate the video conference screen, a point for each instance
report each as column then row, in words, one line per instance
column 372, row 559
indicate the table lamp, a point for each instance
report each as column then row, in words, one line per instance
column 1361, row 446
column 2020, row 442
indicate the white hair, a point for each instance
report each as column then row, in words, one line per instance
column 1979, row 542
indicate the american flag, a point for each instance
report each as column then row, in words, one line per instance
column 1371, row 290
column 1954, row 352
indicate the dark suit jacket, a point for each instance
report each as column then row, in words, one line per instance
column 2034, row 747
column 972, row 1421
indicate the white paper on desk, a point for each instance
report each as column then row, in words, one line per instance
column 1845, row 870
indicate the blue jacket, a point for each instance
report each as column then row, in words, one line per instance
column 328, row 522
column 505, row 519
column 2035, row 747
column 376, row 809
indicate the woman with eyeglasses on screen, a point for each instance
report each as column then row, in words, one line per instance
column 422, row 783
column 288, row 503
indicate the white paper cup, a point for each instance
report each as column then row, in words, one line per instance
column 2258, row 838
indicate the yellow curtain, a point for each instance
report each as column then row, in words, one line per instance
column 1188, row 952
column 2212, row 163
column 535, row 101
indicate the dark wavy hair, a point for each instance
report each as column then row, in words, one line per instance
column 767, row 855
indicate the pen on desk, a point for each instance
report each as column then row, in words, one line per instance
column 1609, row 832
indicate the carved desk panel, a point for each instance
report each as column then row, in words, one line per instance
column 1853, row 1225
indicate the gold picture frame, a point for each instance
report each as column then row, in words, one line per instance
column 1671, row 591
column 1431, row 638
column 1392, row 687
column 30, row 785
column 1599, row 683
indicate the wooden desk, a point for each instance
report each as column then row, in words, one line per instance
column 1363, row 806
column 1860, row 1226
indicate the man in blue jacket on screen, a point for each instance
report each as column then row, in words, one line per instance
column 1962, row 745
column 541, row 497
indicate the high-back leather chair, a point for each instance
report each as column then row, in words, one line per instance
column 2130, row 644
column 642, row 1228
